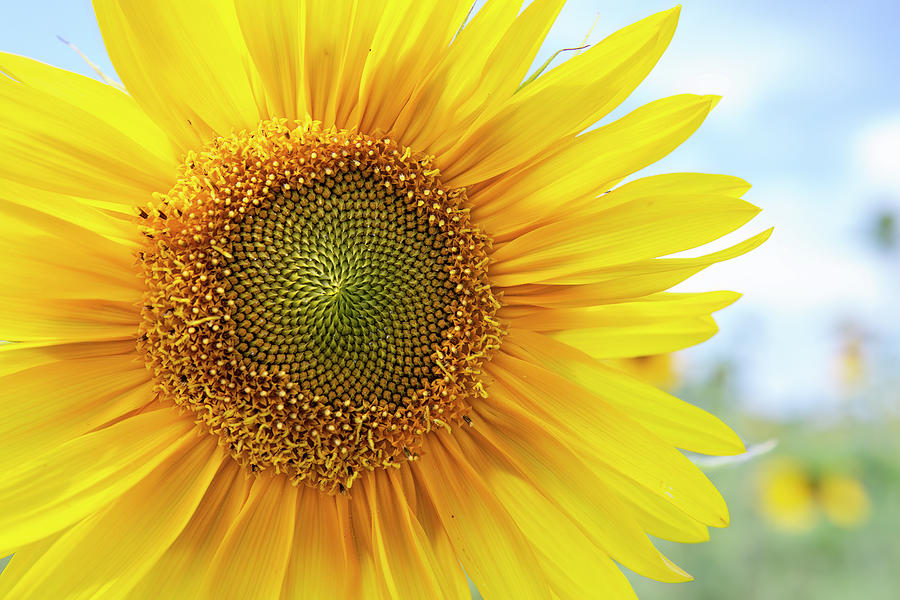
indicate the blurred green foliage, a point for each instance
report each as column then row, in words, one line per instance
column 754, row 559
column 885, row 233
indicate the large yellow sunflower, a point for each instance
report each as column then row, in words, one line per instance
column 319, row 308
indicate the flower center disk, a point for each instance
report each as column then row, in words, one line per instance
column 318, row 299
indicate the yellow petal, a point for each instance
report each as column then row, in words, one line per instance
column 274, row 35
column 60, row 259
column 180, row 571
column 310, row 55
column 673, row 420
column 408, row 43
column 20, row 356
column 371, row 582
column 522, row 462
column 673, row 184
column 253, row 557
column 112, row 220
column 632, row 280
column 47, row 405
column 651, row 226
column 58, row 488
column 489, row 544
column 561, row 103
column 656, row 308
column 655, row 324
column 70, row 320
column 482, row 68
column 403, row 552
column 656, row 515
column 69, row 134
column 339, row 40
column 456, row 76
column 323, row 561
column 603, row 433
column 186, row 65
column 587, row 165
column 445, row 562
column 629, row 341
column 107, row 553
column 22, row 560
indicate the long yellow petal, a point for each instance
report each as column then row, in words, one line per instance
column 673, row 420
column 407, row 562
column 310, row 55
column 20, row 356
column 59, row 259
column 589, row 164
column 45, row 267
column 505, row 447
column 482, row 69
column 339, row 40
column 445, row 562
column 274, row 35
column 656, row 515
column 323, row 561
column 605, row 434
column 102, row 556
column 490, row 546
column 113, row 221
column 656, row 308
column 253, row 557
column 655, row 324
column 561, row 103
column 69, row 134
column 22, row 560
column 185, row 63
column 629, row 341
column 66, row 320
column 180, row 572
column 673, row 184
column 371, row 583
column 60, row 487
column 47, row 405
column 407, row 45
column 435, row 101
column 632, row 280
column 648, row 227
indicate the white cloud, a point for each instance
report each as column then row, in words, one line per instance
column 806, row 265
column 876, row 154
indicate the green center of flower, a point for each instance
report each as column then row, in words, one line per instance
column 344, row 284
column 317, row 299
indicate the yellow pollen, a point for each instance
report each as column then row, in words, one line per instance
column 326, row 271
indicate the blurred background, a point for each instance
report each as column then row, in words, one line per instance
column 805, row 366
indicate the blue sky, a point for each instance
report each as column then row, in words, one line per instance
column 810, row 116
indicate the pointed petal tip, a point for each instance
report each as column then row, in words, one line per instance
column 729, row 297
column 672, row 14
column 712, row 100
column 680, row 575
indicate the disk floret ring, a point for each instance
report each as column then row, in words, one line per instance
column 317, row 298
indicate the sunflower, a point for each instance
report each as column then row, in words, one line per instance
column 793, row 496
column 658, row 369
column 320, row 308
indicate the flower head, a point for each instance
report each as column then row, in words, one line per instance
column 322, row 307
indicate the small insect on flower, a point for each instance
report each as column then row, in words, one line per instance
column 324, row 306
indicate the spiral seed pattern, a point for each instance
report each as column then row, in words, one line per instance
column 317, row 299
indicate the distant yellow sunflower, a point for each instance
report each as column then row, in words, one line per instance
column 793, row 496
column 318, row 308
column 657, row 369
